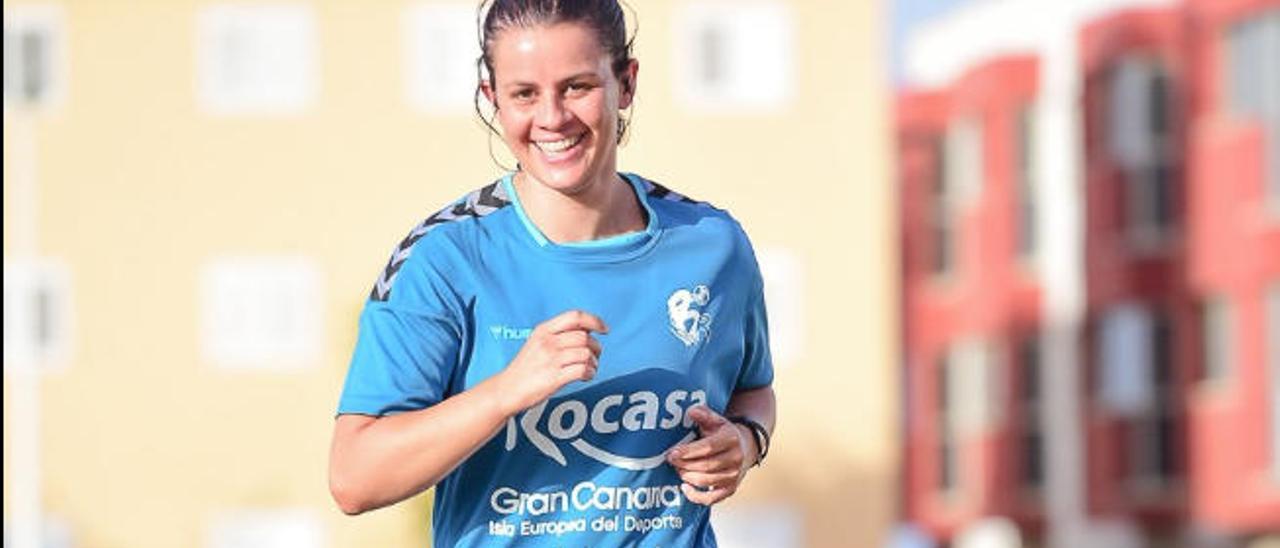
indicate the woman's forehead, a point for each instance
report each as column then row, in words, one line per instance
column 538, row 47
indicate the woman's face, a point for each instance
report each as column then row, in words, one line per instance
column 557, row 101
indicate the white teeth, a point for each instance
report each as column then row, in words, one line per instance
column 557, row 146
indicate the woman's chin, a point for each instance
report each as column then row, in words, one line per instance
column 570, row 179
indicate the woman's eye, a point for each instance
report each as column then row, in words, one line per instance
column 579, row 87
column 522, row 95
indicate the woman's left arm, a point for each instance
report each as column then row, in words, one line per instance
column 713, row 466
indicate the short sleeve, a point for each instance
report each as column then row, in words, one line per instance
column 410, row 337
column 757, row 369
column 402, row 361
column 757, row 364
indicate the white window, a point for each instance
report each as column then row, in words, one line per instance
column 261, row 313
column 440, row 52
column 964, row 167
column 948, row 460
column 256, row 58
column 1273, row 343
column 53, row 532
column 957, row 188
column 37, row 314
column 943, row 235
column 1141, row 140
column 1219, row 348
column 1124, row 355
column 1028, row 209
column 1137, row 377
column 784, row 292
column 969, row 404
column 1252, row 75
column 1031, row 456
column 34, row 55
column 1253, row 65
column 975, row 396
column 273, row 528
column 1154, row 455
column 734, row 56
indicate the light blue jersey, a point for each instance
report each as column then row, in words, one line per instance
column 684, row 305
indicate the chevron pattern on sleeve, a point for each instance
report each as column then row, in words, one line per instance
column 473, row 206
column 660, row 192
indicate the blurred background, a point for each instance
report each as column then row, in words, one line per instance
column 1022, row 258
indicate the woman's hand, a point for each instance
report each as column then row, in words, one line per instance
column 558, row 351
column 713, row 466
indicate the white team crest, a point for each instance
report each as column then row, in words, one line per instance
column 689, row 324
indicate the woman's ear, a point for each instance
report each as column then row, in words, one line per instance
column 627, row 83
column 487, row 90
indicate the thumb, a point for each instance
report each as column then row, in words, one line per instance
column 705, row 418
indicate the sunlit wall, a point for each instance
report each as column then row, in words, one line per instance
column 199, row 195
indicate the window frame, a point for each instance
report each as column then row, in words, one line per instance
column 1232, row 81
column 1030, row 455
column 46, row 283
column 1149, row 164
column 1155, row 458
column 761, row 66
column 942, row 230
column 252, row 34
column 1272, row 334
column 1027, row 187
column 1217, row 316
column 422, row 88
column 50, row 20
column 243, row 298
column 947, row 452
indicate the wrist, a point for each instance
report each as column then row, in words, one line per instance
column 500, row 397
column 750, row 447
column 758, row 434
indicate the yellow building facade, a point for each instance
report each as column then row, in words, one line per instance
column 168, row 164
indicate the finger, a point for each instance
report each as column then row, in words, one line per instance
column 594, row 345
column 717, row 442
column 575, row 355
column 724, row 461
column 575, row 319
column 706, row 419
column 704, row 480
column 705, row 498
column 577, row 338
column 577, row 372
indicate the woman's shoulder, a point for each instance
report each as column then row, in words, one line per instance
column 436, row 241
column 671, row 201
column 678, row 208
column 475, row 205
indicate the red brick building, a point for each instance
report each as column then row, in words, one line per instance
column 1179, row 340
column 971, row 298
column 1141, row 328
column 1234, row 262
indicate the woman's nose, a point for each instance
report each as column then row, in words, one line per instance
column 551, row 111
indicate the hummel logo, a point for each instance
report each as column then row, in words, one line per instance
column 507, row 333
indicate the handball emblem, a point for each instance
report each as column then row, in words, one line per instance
column 689, row 324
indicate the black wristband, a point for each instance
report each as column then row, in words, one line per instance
column 758, row 434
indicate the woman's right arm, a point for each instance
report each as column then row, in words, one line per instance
column 378, row 461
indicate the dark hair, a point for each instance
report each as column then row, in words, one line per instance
column 604, row 17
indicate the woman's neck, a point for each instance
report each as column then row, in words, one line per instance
column 605, row 207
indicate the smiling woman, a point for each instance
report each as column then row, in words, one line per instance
column 493, row 315
column 558, row 100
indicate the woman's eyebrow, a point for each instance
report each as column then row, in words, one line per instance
column 584, row 75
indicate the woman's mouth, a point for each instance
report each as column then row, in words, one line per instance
column 558, row 148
